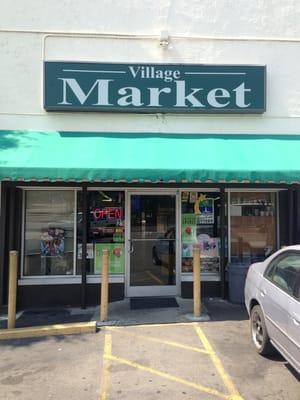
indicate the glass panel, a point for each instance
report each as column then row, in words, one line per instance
column 253, row 226
column 152, row 262
column 105, row 226
column 153, row 240
column 152, row 216
column 200, row 226
column 49, row 232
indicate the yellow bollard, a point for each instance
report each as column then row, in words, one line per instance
column 104, row 286
column 12, row 289
column 197, row 282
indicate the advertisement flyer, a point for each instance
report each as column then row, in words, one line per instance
column 52, row 242
column 204, row 209
column 193, row 197
column 185, row 196
column 116, row 257
column 187, row 250
column 209, row 246
column 189, row 228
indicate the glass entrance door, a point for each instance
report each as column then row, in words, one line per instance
column 152, row 245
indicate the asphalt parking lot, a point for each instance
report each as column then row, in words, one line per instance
column 209, row 360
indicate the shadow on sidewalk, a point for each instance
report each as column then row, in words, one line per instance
column 222, row 310
column 120, row 313
column 50, row 316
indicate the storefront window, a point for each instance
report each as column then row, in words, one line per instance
column 252, row 226
column 106, row 210
column 200, row 226
column 49, row 232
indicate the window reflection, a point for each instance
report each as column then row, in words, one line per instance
column 200, row 226
column 253, row 226
column 106, row 216
column 49, row 232
column 153, row 240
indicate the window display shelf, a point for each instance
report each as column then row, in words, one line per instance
column 252, row 226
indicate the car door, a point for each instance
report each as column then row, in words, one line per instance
column 294, row 323
column 276, row 292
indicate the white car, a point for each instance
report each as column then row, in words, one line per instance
column 272, row 297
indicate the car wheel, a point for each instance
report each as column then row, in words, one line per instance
column 259, row 334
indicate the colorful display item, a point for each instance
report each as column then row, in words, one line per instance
column 53, row 242
column 189, row 228
column 204, row 209
column 116, row 257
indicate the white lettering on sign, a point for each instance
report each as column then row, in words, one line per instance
column 154, row 96
column 215, row 94
column 132, row 97
column 102, row 93
column 147, row 72
column 240, row 96
column 181, row 96
column 151, row 96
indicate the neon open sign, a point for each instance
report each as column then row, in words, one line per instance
column 107, row 213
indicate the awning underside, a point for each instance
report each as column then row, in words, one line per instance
column 148, row 158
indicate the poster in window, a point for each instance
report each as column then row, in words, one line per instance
column 187, row 250
column 185, row 197
column 116, row 257
column 189, row 228
column 204, row 209
column 193, row 197
column 53, row 242
column 209, row 246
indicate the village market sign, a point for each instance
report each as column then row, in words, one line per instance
column 70, row 86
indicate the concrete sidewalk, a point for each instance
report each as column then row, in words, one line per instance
column 49, row 316
column 120, row 313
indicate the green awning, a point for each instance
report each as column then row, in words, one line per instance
column 146, row 157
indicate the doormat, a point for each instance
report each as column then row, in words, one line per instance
column 138, row 303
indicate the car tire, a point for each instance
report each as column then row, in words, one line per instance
column 259, row 334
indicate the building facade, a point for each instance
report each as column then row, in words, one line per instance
column 147, row 129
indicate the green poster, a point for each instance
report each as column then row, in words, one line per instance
column 189, row 228
column 116, row 257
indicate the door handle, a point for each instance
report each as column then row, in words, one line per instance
column 296, row 322
column 130, row 246
column 296, row 319
column 263, row 292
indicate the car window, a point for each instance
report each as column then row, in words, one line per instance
column 284, row 272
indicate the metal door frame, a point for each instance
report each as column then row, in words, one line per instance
column 166, row 290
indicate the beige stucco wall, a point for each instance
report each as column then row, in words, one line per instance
column 213, row 31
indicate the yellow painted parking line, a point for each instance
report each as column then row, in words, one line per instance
column 155, row 278
column 169, row 377
column 162, row 341
column 230, row 386
column 233, row 393
column 105, row 368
